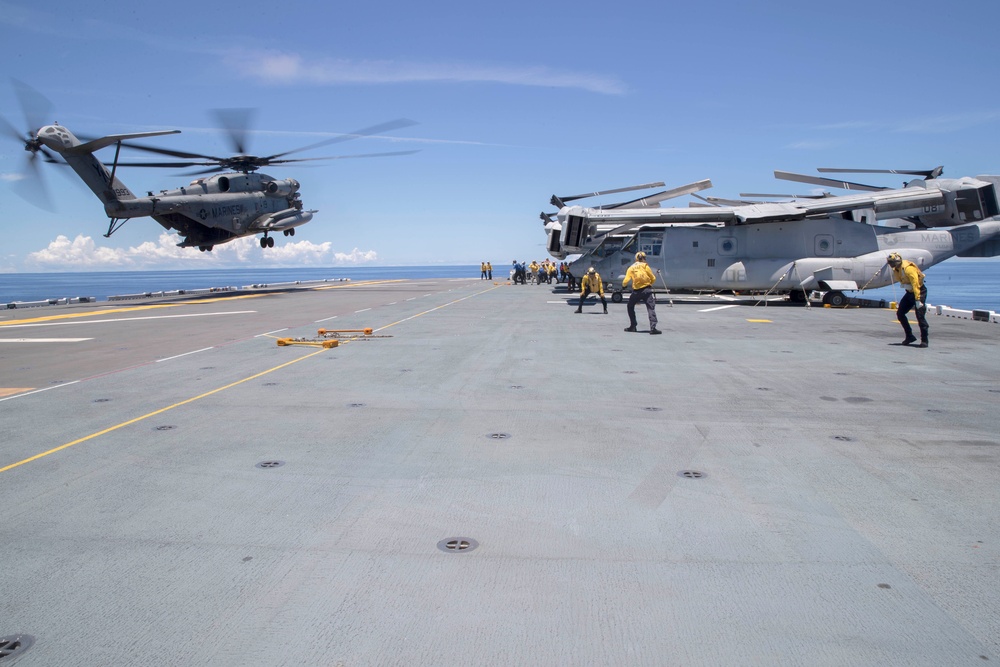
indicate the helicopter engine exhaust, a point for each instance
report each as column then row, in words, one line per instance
column 283, row 188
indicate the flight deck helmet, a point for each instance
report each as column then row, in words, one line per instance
column 640, row 256
column 894, row 259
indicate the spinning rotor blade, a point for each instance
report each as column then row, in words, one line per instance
column 167, row 151
column 36, row 107
column 236, row 122
column 926, row 173
column 560, row 201
column 31, row 186
column 816, row 180
column 342, row 157
column 165, row 165
column 366, row 132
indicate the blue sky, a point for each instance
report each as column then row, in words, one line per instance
column 515, row 101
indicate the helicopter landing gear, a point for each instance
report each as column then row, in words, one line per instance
column 289, row 232
column 835, row 299
column 266, row 242
column 205, row 248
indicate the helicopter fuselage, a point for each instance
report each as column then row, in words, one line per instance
column 207, row 212
column 213, row 210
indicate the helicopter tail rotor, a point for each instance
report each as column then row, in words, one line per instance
column 29, row 183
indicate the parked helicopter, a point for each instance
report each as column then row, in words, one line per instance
column 211, row 210
column 830, row 243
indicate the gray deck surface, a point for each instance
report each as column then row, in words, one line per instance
column 846, row 512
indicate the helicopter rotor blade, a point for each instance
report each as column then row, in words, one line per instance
column 561, row 201
column 165, row 165
column 342, row 157
column 36, row 107
column 926, row 173
column 761, row 195
column 170, row 152
column 236, row 123
column 366, row 132
column 655, row 199
column 816, row 180
column 10, row 130
column 31, row 186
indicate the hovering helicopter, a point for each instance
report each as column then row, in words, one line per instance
column 210, row 210
column 828, row 243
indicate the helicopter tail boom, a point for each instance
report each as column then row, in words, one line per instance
column 80, row 156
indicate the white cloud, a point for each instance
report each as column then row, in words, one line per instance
column 291, row 68
column 83, row 254
column 11, row 177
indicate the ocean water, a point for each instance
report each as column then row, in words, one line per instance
column 102, row 284
column 965, row 284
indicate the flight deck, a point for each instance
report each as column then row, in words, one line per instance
column 490, row 478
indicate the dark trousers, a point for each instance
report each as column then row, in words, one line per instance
column 646, row 296
column 584, row 296
column 905, row 304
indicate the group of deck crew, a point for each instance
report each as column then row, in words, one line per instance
column 643, row 279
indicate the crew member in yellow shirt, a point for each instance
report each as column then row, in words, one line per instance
column 911, row 278
column 591, row 284
column 642, row 278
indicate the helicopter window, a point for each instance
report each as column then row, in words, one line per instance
column 608, row 248
column 223, row 184
column 651, row 243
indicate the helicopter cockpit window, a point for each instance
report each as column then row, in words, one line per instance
column 223, row 184
column 609, row 247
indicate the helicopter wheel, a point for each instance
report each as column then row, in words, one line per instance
column 616, row 297
column 835, row 299
column 270, row 242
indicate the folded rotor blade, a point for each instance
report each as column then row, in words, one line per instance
column 561, row 201
column 816, row 180
column 655, row 199
column 759, row 195
column 926, row 173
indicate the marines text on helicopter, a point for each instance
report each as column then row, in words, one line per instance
column 210, row 210
column 828, row 243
